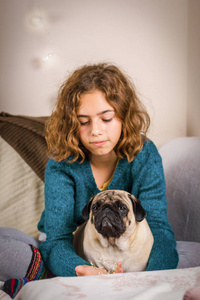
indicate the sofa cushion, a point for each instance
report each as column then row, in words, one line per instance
column 27, row 136
column 22, row 195
column 23, row 155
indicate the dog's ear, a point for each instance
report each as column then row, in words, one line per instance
column 86, row 209
column 139, row 211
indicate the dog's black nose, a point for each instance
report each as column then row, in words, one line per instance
column 106, row 222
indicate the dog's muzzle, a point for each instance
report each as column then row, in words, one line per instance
column 109, row 223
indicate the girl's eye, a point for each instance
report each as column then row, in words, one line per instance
column 107, row 120
column 84, row 123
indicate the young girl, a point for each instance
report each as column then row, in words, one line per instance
column 97, row 140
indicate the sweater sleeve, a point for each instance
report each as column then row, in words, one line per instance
column 152, row 194
column 58, row 222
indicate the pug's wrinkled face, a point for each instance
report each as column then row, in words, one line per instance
column 112, row 211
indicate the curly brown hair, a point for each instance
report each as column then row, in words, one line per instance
column 62, row 128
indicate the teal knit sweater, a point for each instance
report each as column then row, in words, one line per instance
column 69, row 186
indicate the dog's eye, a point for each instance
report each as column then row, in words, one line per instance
column 95, row 208
column 121, row 206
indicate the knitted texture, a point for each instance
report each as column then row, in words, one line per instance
column 68, row 188
column 36, row 271
column 14, row 285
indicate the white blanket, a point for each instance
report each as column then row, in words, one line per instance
column 154, row 285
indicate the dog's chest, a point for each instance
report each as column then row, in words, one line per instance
column 108, row 257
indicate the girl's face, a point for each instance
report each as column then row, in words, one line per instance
column 99, row 129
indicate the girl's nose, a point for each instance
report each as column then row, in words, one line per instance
column 96, row 128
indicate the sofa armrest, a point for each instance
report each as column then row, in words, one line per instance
column 181, row 161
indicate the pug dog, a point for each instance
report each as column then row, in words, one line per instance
column 115, row 231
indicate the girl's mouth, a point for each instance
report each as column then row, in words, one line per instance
column 98, row 143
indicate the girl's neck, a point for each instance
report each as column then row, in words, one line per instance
column 104, row 161
column 103, row 168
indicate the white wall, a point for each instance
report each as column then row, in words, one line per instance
column 193, row 103
column 148, row 39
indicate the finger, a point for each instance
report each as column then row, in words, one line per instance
column 79, row 271
column 84, row 270
column 119, row 268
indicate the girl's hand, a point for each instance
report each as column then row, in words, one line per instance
column 119, row 268
column 85, row 270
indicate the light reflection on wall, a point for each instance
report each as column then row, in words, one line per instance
column 37, row 22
